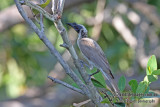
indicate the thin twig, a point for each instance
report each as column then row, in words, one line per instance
column 106, row 95
column 61, row 6
column 66, row 85
column 54, row 6
column 41, row 21
column 64, row 45
column 81, row 103
column 95, row 72
column 41, row 10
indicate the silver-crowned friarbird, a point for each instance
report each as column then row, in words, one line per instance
column 93, row 53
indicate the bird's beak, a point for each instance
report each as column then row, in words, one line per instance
column 76, row 27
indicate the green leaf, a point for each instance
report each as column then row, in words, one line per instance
column 42, row 6
column 142, row 87
column 105, row 101
column 152, row 78
column 99, row 77
column 109, row 93
column 133, row 84
column 146, row 79
column 151, row 65
column 156, row 72
column 45, row 4
column 122, row 83
column 147, row 90
column 112, row 98
column 97, row 83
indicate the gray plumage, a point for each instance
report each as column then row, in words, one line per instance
column 93, row 53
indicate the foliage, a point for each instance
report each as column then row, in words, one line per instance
column 141, row 90
column 133, row 84
column 122, row 83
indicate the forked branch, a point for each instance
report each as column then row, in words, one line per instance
column 88, row 89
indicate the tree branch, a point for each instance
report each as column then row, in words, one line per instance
column 90, row 90
column 41, row 21
column 66, row 85
column 61, row 6
column 41, row 10
column 94, row 95
column 81, row 103
column 52, row 49
column 54, row 6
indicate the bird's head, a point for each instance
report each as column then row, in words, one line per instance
column 80, row 29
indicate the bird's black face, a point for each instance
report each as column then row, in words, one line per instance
column 76, row 27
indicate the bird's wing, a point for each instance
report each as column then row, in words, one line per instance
column 94, row 53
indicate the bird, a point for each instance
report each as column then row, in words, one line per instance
column 93, row 53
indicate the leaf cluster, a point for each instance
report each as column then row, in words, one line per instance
column 138, row 90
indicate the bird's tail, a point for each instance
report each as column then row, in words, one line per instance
column 114, row 85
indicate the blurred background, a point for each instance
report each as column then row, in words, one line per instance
column 127, row 30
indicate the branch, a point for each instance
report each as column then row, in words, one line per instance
column 54, row 6
column 61, row 6
column 41, row 21
column 52, row 49
column 66, row 85
column 94, row 95
column 81, row 103
column 41, row 10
